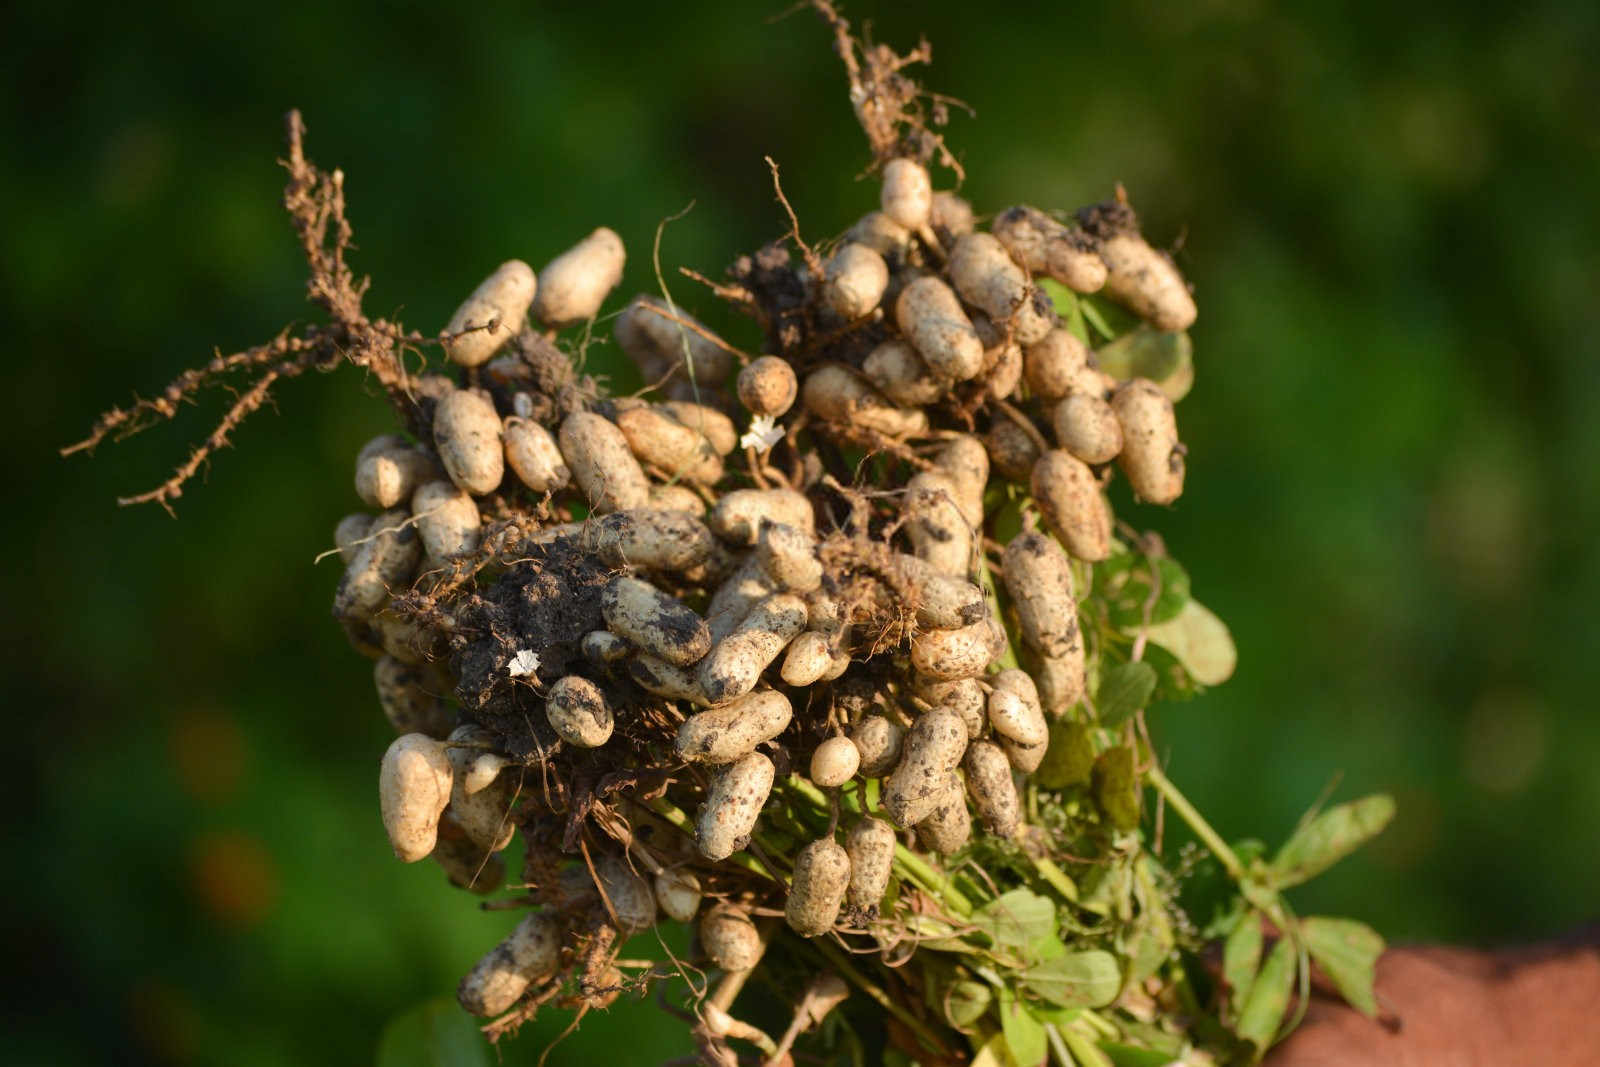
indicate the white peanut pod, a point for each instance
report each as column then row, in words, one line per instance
column 632, row 901
column 947, row 602
column 901, row 375
column 1012, row 450
column 1074, row 508
column 807, row 660
column 447, row 520
column 464, row 863
column 1086, row 426
column 665, row 443
column 382, row 564
column 574, row 284
column 964, row 696
column 483, row 815
column 907, row 193
column 601, row 647
column 499, row 305
column 839, row 394
column 1039, row 578
column 676, row 498
column 986, row 277
column 578, row 712
column 732, row 806
column 768, row 385
column 466, row 432
column 708, row 422
column 949, row 825
column 1054, row 365
column 411, row 698
column 414, row 782
column 673, row 541
column 738, row 516
column 854, row 282
column 788, row 557
column 940, row 533
column 498, row 980
column 533, row 456
column 730, row 938
column 950, row 216
column 734, row 665
column 963, row 653
column 835, row 762
column 1152, row 456
column 933, row 747
column 993, row 792
column 741, row 591
column 405, row 639
column 821, row 877
column 1011, row 717
column 870, row 847
column 602, row 463
column 930, row 316
column 1046, row 246
column 1061, row 681
column 656, row 337
column 1025, row 758
column 678, row 893
column 389, row 469
column 1146, row 282
column 350, row 531
column 647, row 617
column 966, row 461
column 1002, row 369
column 880, row 233
column 728, row 733
column 664, row 679
column 880, row 741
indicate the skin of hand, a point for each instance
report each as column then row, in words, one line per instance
column 1453, row 1007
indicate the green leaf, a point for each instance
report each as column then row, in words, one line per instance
column 1125, row 583
column 1124, row 691
column 1348, row 952
column 1263, row 1010
column 1164, row 358
column 1173, row 683
column 1116, row 787
column 1020, row 919
column 1092, row 314
column 965, row 1002
column 993, row 1053
column 1241, row 958
column 1200, row 641
column 1328, row 838
column 1086, row 979
column 435, row 1033
column 1129, row 1056
column 1150, row 941
column 1024, row 1034
column 1069, row 758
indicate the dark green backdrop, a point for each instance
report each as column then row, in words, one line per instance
column 1389, row 214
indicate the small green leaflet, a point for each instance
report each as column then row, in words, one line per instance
column 435, row 1033
column 1020, row 919
column 1088, row 979
column 1091, row 313
column 965, row 1002
column 1327, row 838
column 1348, row 951
column 1241, row 957
column 1125, row 583
column 1128, row 1056
column 1124, row 691
column 1116, row 787
column 1164, row 358
column 1069, row 757
column 1024, row 1034
column 1263, row 1010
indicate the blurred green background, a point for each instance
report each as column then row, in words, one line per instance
column 1390, row 216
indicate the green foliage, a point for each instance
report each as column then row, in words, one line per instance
column 436, row 1033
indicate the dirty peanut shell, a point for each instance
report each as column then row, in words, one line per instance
column 466, row 433
column 821, row 877
column 499, row 304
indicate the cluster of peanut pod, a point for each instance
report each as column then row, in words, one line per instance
column 620, row 625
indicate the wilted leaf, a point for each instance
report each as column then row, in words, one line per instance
column 1348, row 952
column 1200, row 641
column 1124, row 691
column 1070, row 757
column 1329, row 837
column 1087, row 979
column 1116, row 787
column 993, row 1053
column 1018, row 919
column 1024, row 1034
column 1125, row 583
column 1262, row 1011
column 1241, row 957
column 965, row 1002
column 935, row 933
column 436, row 1033
column 1165, row 358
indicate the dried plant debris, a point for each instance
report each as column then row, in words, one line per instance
column 838, row 653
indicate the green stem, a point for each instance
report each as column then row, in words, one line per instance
column 1196, row 822
column 931, row 879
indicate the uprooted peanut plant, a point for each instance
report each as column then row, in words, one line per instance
column 836, row 653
